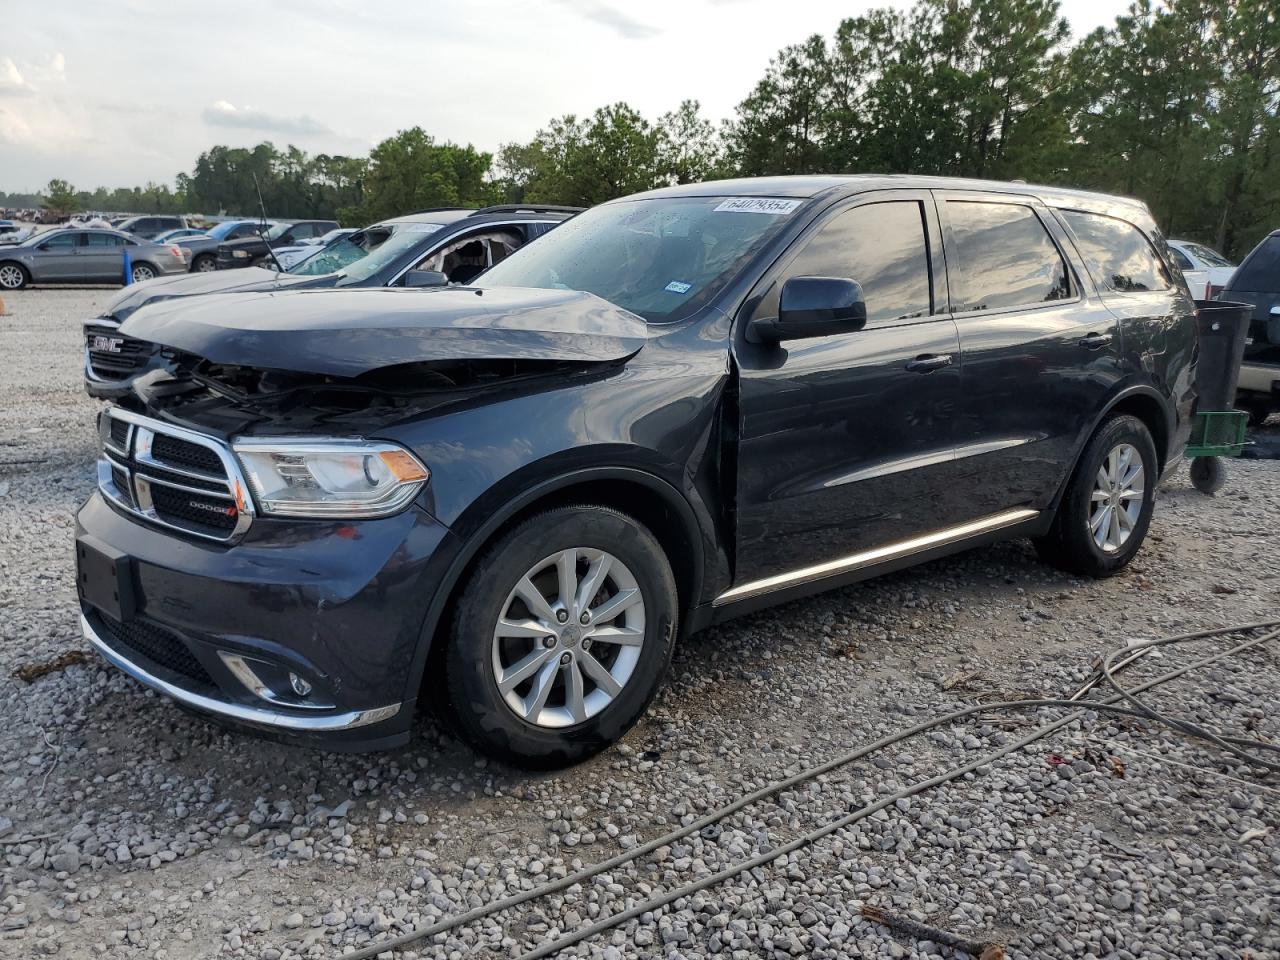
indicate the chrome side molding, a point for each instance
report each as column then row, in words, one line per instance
column 868, row 558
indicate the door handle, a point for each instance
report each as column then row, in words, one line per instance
column 928, row 362
column 1095, row 341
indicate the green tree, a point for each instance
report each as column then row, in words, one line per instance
column 60, row 198
column 778, row 127
column 689, row 148
column 410, row 171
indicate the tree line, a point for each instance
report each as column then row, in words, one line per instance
column 1174, row 103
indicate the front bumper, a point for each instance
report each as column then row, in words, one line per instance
column 224, row 629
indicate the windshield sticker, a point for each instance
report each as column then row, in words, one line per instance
column 769, row 205
column 678, row 286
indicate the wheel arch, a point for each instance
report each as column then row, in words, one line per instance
column 653, row 501
column 1141, row 401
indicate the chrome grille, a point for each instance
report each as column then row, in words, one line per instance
column 172, row 477
column 109, row 354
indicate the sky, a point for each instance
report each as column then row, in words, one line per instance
column 121, row 93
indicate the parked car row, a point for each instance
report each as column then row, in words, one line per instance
column 69, row 255
column 521, row 484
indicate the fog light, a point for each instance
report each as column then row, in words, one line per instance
column 300, row 686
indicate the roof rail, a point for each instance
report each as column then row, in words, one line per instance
column 528, row 208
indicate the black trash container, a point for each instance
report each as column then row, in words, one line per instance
column 1223, row 327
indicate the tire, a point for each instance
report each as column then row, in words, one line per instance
column 1208, row 474
column 632, row 646
column 13, row 276
column 143, row 271
column 1071, row 543
column 205, row 263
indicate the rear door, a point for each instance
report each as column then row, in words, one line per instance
column 58, row 258
column 846, row 441
column 102, row 257
column 1040, row 353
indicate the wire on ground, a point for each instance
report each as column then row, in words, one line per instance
column 1108, row 669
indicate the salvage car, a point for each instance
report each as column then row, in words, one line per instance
column 252, row 250
column 85, row 256
column 1190, row 255
column 391, row 253
column 1257, row 282
column 510, row 498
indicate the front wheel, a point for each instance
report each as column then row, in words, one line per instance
column 205, row 263
column 561, row 637
column 1104, row 514
column 143, row 271
column 12, row 276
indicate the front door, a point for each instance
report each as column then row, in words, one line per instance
column 58, row 259
column 846, row 441
column 1040, row 351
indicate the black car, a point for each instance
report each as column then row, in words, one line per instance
column 151, row 226
column 1257, row 281
column 254, row 250
column 510, row 499
column 457, row 243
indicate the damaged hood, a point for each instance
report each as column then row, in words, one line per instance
column 347, row 333
column 138, row 295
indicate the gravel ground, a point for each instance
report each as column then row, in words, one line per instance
column 129, row 828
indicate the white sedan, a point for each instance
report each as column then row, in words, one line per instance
column 1192, row 256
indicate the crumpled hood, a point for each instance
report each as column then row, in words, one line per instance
column 138, row 295
column 347, row 333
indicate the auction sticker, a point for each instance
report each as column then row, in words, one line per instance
column 769, row 205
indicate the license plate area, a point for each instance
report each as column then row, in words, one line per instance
column 105, row 579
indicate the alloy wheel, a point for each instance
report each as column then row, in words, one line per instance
column 568, row 637
column 205, row 265
column 11, row 277
column 142, row 272
column 1117, row 499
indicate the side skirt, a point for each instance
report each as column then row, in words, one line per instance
column 766, row 592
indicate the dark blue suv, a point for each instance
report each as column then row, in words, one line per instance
column 511, row 498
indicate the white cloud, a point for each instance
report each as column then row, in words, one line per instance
column 223, row 113
column 58, row 63
column 12, row 83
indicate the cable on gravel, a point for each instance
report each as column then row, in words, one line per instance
column 1233, row 745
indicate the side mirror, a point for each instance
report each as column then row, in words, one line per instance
column 425, row 278
column 813, row 307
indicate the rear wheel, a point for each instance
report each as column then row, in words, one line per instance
column 561, row 636
column 143, row 271
column 13, row 276
column 1104, row 514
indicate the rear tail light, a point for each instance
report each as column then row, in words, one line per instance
column 178, row 252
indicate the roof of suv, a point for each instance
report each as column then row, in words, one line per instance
column 810, row 186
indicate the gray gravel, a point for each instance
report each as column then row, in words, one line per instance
column 129, row 828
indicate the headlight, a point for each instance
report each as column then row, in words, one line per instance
column 340, row 479
column 239, row 254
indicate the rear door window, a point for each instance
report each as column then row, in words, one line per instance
column 104, row 240
column 880, row 245
column 1117, row 253
column 1001, row 256
column 1260, row 271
